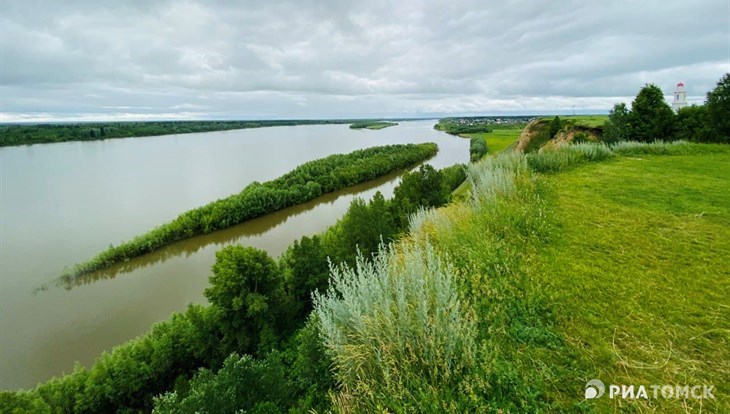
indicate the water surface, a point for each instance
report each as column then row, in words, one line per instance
column 62, row 203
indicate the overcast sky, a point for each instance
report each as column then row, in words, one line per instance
column 106, row 60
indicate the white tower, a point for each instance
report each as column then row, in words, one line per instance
column 680, row 97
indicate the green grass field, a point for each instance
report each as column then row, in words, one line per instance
column 616, row 270
column 639, row 272
column 587, row 120
column 499, row 138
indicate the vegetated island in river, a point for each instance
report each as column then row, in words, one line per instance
column 304, row 183
column 372, row 125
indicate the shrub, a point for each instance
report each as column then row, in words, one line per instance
column 396, row 332
column 477, row 148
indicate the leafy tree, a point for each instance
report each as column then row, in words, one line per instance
column 242, row 385
column 692, row 125
column 651, row 117
column 245, row 290
column 422, row 188
column 555, row 126
column 617, row 126
column 718, row 109
column 306, row 269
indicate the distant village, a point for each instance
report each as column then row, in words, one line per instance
column 492, row 120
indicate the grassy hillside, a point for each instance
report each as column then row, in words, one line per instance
column 616, row 270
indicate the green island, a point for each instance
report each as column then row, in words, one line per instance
column 588, row 256
column 375, row 125
column 306, row 182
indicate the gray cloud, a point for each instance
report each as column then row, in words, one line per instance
column 287, row 59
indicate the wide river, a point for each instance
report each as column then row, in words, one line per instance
column 62, row 203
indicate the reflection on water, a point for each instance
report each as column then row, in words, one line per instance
column 254, row 227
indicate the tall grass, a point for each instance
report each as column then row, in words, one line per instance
column 397, row 333
column 656, row 147
column 568, row 156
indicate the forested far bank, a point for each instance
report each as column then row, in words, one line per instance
column 304, row 183
column 27, row 134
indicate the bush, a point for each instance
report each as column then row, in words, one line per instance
column 396, row 332
column 477, row 148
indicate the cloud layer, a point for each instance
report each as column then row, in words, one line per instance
column 97, row 60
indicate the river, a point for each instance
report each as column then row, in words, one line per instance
column 62, row 203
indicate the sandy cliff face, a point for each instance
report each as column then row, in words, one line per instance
column 530, row 132
column 537, row 130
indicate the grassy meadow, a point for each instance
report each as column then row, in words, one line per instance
column 499, row 139
column 591, row 121
column 616, row 269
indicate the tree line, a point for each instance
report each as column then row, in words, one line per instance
column 372, row 125
column 254, row 348
column 26, row 134
column 304, row 183
column 651, row 118
column 454, row 128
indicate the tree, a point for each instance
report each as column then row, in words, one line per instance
column 651, row 117
column 307, row 270
column 691, row 124
column 246, row 291
column 555, row 126
column 718, row 109
column 422, row 188
column 617, row 127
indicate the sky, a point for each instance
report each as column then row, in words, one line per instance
column 104, row 60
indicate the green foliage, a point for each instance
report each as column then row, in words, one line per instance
column 454, row 127
column 22, row 403
column 651, row 118
column 397, row 334
column 718, row 111
column 133, row 373
column 477, row 148
column 306, row 270
column 422, row 188
column 246, row 290
column 372, row 125
column 555, row 126
column 617, row 127
column 243, row 385
column 691, row 124
column 304, row 183
column 48, row 133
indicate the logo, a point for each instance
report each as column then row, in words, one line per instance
column 594, row 389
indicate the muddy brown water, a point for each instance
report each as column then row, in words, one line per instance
column 62, row 203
